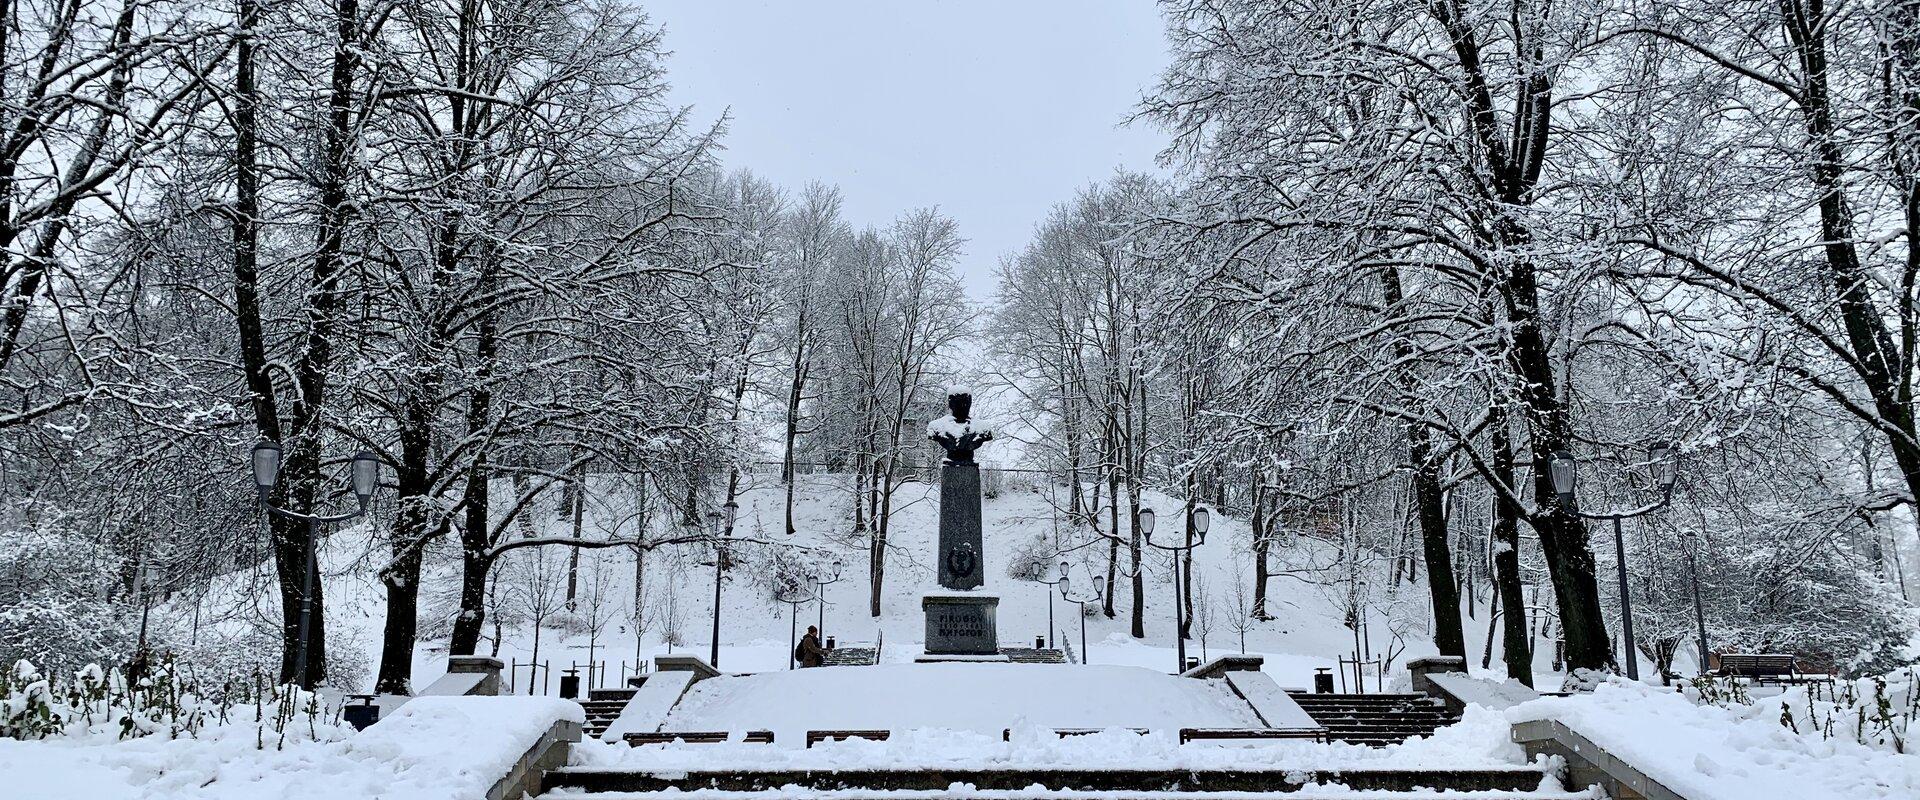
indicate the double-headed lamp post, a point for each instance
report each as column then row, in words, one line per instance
column 1565, row 473
column 828, row 576
column 794, row 597
column 1066, row 593
column 1058, row 579
column 1196, row 535
column 363, row 477
column 722, row 522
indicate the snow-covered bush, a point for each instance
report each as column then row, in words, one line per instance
column 1877, row 711
column 100, row 703
column 58, row 598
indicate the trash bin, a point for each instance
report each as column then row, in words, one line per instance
column 829, row 643
column 1323, row 680
column 1039, row 642
column 570, row 685
column 362, row 715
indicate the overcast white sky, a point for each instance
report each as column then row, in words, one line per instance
column 993, row 110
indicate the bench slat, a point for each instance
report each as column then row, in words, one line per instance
column 638, row 738
column 815, row 737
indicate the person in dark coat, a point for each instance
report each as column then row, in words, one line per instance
column 810, row 653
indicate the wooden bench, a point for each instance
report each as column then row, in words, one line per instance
column 1218, row 734
column 816, row 737
column 1761, row 667
column 695, row 737
column 1006, row 734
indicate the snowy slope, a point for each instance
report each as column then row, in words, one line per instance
column 1306, row 633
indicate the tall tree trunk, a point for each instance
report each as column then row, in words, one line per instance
column 1113, row 541
column 476, row 538
column 1516, row 643
column 402, row 578
column 1262, row 537
column 796, row 391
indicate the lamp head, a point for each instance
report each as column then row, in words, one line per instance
column 1202, row 520
column 1145, row 517
column 266, row 467
column 365, row 476
column 1660, row 459
column 1564, row 472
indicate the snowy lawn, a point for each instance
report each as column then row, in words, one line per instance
column 1706, row 752
column 1479, row 741
column 432, row 748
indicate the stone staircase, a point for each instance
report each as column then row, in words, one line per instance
column 1511, row 783
column 603, row 707
column 851, row 657
column 1375, row 719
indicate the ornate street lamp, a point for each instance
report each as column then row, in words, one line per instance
column 363, row 477
column 1195, row 535
column 828, row 576
column 1061, row 576
column 794, row 597
column 1066, row 593
column 1564, row 472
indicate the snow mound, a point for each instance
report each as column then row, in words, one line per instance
column 981, row 698
column 433, row 748
column 1706, row 752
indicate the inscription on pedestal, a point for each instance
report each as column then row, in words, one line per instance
column 961, row 625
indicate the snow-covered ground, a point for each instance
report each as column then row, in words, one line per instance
column 437, row 748
column 1708, row 752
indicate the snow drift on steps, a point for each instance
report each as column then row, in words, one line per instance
column 1480, row 741
column 983, row 698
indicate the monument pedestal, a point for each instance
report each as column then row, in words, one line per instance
column 961, row 624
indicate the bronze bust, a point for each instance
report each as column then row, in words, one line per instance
column 956, row 433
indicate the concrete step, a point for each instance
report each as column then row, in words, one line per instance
column 603, row 707
column 1060, row 794
column 1375, row 719
column 1513, row 781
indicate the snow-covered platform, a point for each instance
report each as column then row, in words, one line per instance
column 981, row 698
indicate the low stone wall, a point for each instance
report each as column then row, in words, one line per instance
column 527, row 777
column 1587, row 763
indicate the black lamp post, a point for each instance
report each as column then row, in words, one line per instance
column 1061, row 577
column 794, row 598
column 1564, row 472
column 1196, row 535
column 723, row 530
column 1066, row 593
column 363, row 477
column 1699, row 612
column 820, row 584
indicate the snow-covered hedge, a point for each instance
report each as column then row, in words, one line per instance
column 99, row 703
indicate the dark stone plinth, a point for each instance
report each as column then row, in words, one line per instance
column 961, row 625
column 489, row 668
column 961, row 567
